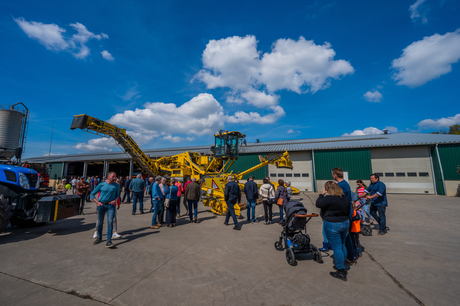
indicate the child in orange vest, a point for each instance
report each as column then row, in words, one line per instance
column 355, row 230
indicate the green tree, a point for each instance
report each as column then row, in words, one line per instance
column 453, row 129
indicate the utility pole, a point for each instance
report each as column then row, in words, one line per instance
column 51, row 141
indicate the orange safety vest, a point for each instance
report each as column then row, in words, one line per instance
column 355, row 225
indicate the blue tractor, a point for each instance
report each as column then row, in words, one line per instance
column 23, row 203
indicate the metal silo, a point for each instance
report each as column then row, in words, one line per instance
column 13, row 124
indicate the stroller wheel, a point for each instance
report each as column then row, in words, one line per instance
column 279, row 246
column 290, row 257
column 316, row 254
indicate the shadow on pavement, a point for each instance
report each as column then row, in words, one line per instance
column 62, row 227
column 128, row 238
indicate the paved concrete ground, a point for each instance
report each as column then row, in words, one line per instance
column 211, row 264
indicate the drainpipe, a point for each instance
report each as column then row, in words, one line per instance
column 432, row 172
column 442, row 172
column 313, row 174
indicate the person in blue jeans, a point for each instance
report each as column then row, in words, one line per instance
column 109, row 194
column 281, row 193
column 137, row 187
column 157, row 201
column 251, row 192
column 378, row 195
column 192, row 194
column 337, row 175
column 232, row 196
column 335, row 211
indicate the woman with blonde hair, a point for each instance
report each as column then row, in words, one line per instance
column 335, row 211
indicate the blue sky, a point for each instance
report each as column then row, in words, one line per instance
column 175, row 72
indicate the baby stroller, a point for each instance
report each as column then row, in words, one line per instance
column 295, row 241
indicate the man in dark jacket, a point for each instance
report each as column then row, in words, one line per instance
column 251, row 192
column 192, row 194
column 232, row 196
column 127, row 192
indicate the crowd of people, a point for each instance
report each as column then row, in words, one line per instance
column 343, row 212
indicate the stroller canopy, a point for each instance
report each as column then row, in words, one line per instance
column 294, row 207
column 292, row 223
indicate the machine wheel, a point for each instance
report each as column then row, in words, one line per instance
column 279, row 245
column 5, row 213
column 316, row 254
column 290, row 257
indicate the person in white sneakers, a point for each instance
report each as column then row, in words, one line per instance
column 115, row 234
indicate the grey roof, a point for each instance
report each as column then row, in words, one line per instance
column 343, row 142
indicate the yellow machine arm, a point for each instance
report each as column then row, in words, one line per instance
column 123, row 140
column 281, row 161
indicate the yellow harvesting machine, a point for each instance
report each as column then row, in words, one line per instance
column 212, row 169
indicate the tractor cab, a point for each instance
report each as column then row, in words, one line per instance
column 227, row 144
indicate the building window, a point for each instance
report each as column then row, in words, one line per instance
column 288, row 174
column 411, row 173
column 296, row 174
column 379, row 174
column 272, row 174
column 389, row 174
column 305, row 175
column 280, row 174
column 423, row 174
column 400, row 174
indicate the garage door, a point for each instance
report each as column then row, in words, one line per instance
column 404, row 169
column 300, row 176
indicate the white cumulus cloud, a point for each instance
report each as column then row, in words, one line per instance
column 371, row 131
column 415, row 12
column 107, row 144
column 202, row 115
column 427, row 59
column 298, row 66
column 254, row 117
column 97, row 144
column 439, row 123
column 373, row 96
column 106, row 54
column 52, row 36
